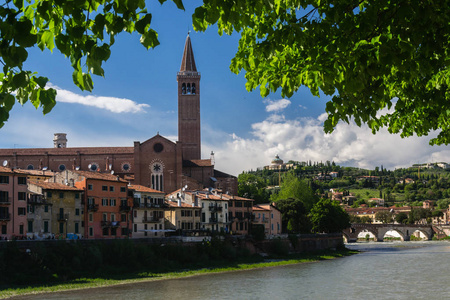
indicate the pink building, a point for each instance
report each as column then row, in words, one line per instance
column 13, row 203
column 269, row 216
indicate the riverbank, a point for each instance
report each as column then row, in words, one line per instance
column 85, row 283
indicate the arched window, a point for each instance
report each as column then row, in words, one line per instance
column 157, row 176
column 193, row 89
column 183, row 88
column 188, row 88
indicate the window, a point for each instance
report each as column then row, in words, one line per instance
column 123, row 189
column 61, row 227
column 114, row 231
column 231, row 204
column 4, row 229
column 30, row 167
column 21, row 229
column 135, row 213
column 4, row 179
column 21, row 211
column 49, row 194
column 77, row 229
column 77, row 195
column 22, row 180
column 145, row 228
column 104, row 202
column 112, row 202
column 46, row 226
column 4, row 196
column 113, row 217
column 77, row 211
column 111, row 188
column 90, row 187
column 123, row 218
column 104, row 188
column 124, row 231
column 126, row 167
column 135, row 227
column 62, row 167
column 61, row 195
column 226, row 206
column 105, row 217
column 93, row 167
column 91, row 231
column 46, row 208
column 22, row 195
column 106, row 231
column 91, row 217
column 272, row 216
column 30, row 226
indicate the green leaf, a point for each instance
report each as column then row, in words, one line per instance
column 143, row 24
column 150, row 39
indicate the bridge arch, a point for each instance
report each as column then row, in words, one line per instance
column 403, row 235
column 421, row 233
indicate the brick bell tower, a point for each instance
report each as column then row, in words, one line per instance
column 189, row 105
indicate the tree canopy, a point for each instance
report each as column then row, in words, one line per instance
column 327, row 216
column 384, row 62
column 82, row 30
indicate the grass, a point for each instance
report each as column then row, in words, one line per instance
column 84, row 283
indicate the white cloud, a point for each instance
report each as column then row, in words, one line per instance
column 112, row 104
column 278, row 105
column 304, row 139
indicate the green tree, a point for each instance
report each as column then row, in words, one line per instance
column 384, row 216
column 294, row 188
column 82, row 30
column 294, row 216
column 327, row 216
column 369, row 55
column 401, row 218
column 252, row 186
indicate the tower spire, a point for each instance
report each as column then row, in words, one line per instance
column 188, row 61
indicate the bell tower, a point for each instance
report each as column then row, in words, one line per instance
column 189, row 105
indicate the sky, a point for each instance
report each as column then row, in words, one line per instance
column 137, row 98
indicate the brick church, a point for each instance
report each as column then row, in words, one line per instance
column 157, row 163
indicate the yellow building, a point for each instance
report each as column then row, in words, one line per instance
column 183, row 217
column 54, row 210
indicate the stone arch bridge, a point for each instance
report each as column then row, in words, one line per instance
column 379, row 231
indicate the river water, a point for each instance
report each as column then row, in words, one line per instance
column 397, row 270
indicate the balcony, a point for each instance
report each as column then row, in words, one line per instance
column 36, row 199
column 215, row 208
column 213, row 220
column 151, row 220
column 125, row 208
column 5, row 216
column 148, row 205
column 5, row 201
column 92, row 207
column 110, row 223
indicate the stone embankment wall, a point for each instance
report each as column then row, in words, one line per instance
column 292, row 243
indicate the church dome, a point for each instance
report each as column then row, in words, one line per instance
column 277, row 160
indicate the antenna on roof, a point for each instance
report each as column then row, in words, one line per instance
column 5, row 163
column 110, row 166
column 89, row 167
column 112, row 172
column 44, row 168
column 77, row 168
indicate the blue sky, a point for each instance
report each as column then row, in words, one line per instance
column 137, row 98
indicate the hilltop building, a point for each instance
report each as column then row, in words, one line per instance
column 157, row 163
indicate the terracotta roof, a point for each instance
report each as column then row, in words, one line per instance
column 99, row 176
column 46, row 173
column 220, row 174
column 28, row 172
column 54, row 186
column 231, row 197
column 141, row 188
column 197, row 163
column 69, row 151
column 261, row 207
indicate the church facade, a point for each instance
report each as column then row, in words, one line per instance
column 157, row 163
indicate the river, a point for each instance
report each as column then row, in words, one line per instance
column 396, row 270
